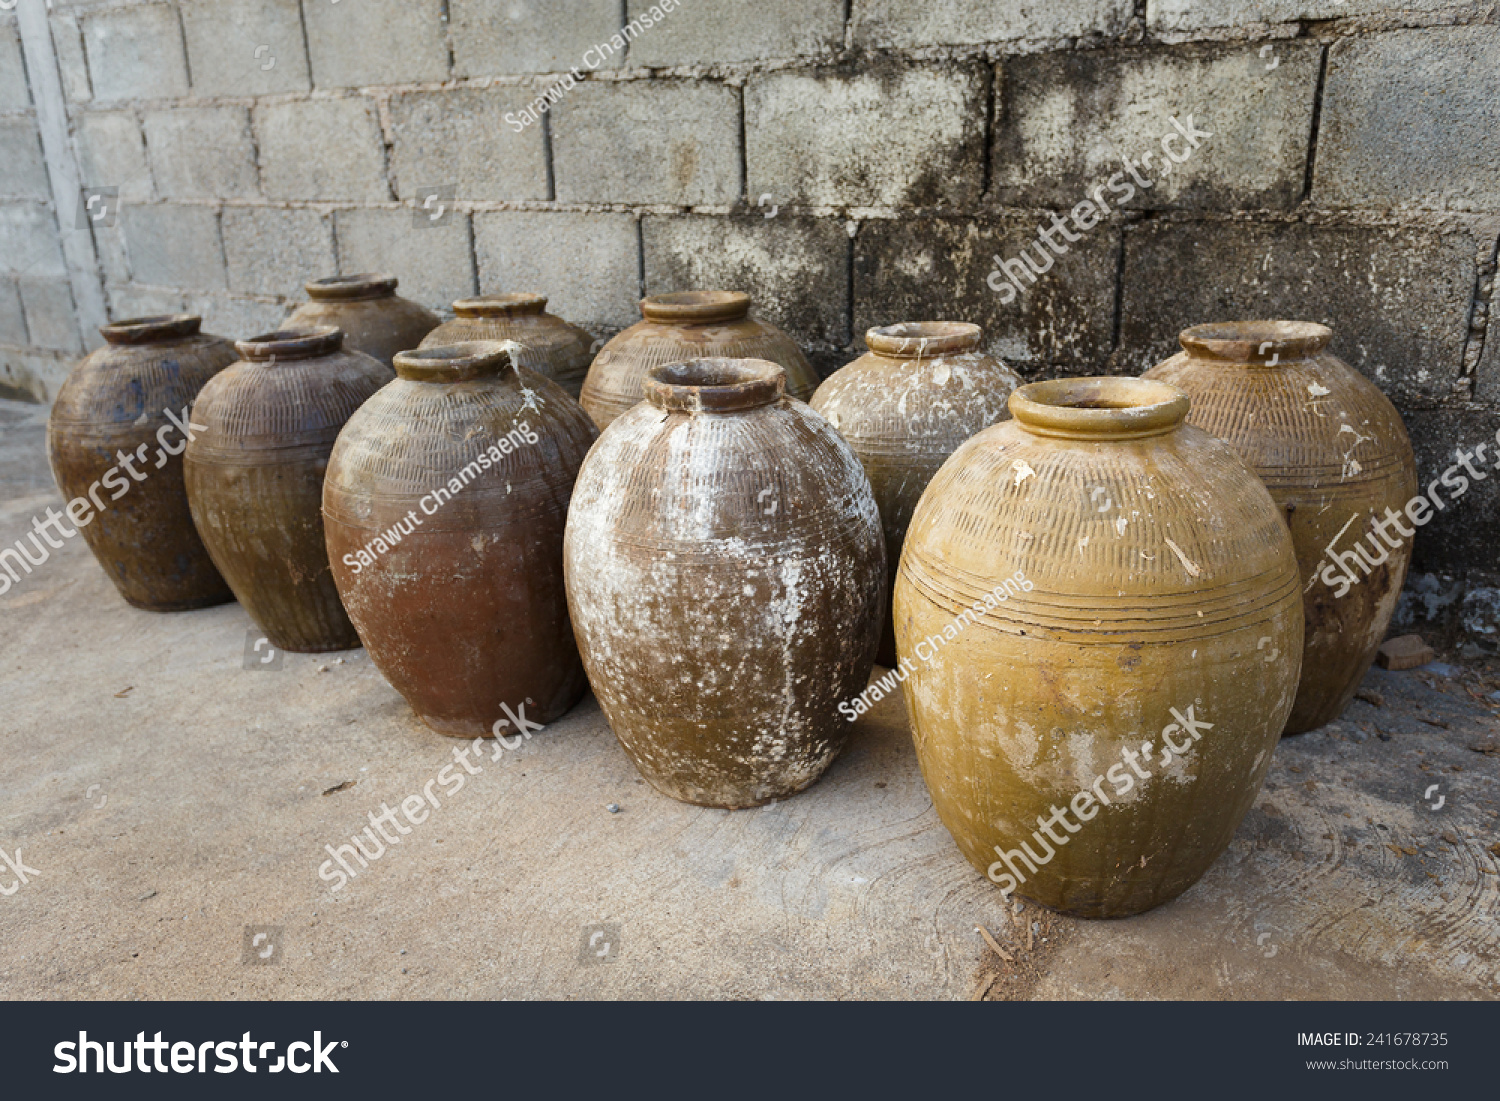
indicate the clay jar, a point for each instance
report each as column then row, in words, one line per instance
column 549, row 346
column 726, row 577
column 1332, row 450
column 115, row 439
column 375, row 320
column 444, row 508
column 1099, row 624
column 923, row 388
column 254, row 476
column 689, row 325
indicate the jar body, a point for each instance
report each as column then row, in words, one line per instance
column 903, row 417
column 135, row 399
column 617, row 376
column 726, row 580
column 379, row 325
column 444, row 507
column 255, row 484
column 1334, row 454
column 1121, row 596
column 550, row 346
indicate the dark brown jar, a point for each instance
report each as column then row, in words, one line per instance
column 689, row 325
column 444, row 507
column 549, row 346
column 115, row 440
column 726, row 577
column 923, row 388
column 1332, row 450
column 254, row 476
column 375, row 320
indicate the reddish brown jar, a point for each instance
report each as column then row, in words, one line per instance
column 1332, row 450
column 375, row 320
column 726, row 576
column 115, row 440
column 254, row 476
column 444, row 506
column 923, row 388
column 690, row 325
column 548, row 344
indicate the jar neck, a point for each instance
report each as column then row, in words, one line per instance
column 1099, row 409
column 287, row 345
column 696, row 307
column 500, row 305
column 715, row 385
column 1256, row 343
column 351, row 288
column 924, row 339
column 462, row 362
column 152, row 330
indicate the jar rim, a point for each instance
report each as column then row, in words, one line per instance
column 344, row 288
column 695, row 307
column 1258, row 343
column 282, row 345
column 152, row 329
column 459, row 362
column 500, row 305
column 923, row 339
column 1099, row 408
column 715, row 384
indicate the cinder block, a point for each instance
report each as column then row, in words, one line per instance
column 1397, row 299
column 1068, row 123
column 938, row 269
column 135, row 52
column 133, row 300
column 29, row 239
column 14, row 94
column 202, row 153
column 535, row 36
column 898, row 23
column 890, row 136
column 272, row 251
column 376, row 42
column 321, row 149
column 32, row 374
column 586, row 264
column 24, row 173
column 109, row 243
column 1412, row 118
column 72, row 66
column 51, row 319
column 1176, row 16
column 669, row 141
column 174, row 246
column 460, row 139
column 435, row 264
column 235, row 318
column 264, row 53
column 1466, row 532
column 707, row 32
column 12, row 315
column 796, row 270
column 112, row 153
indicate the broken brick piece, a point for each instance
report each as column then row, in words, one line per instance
column 1404, row 652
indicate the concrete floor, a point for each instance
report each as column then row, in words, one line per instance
column 176, row 804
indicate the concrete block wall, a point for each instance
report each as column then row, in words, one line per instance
column 847, row 162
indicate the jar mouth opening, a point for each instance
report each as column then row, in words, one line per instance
column 347, row 287
column 1104, row 408
column 696, row 307
column 468, row 359
column 1262, row 343
column 923, row 339
column 500, row 305
column 715, row 385
column 288, row 344
column 153, row 329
